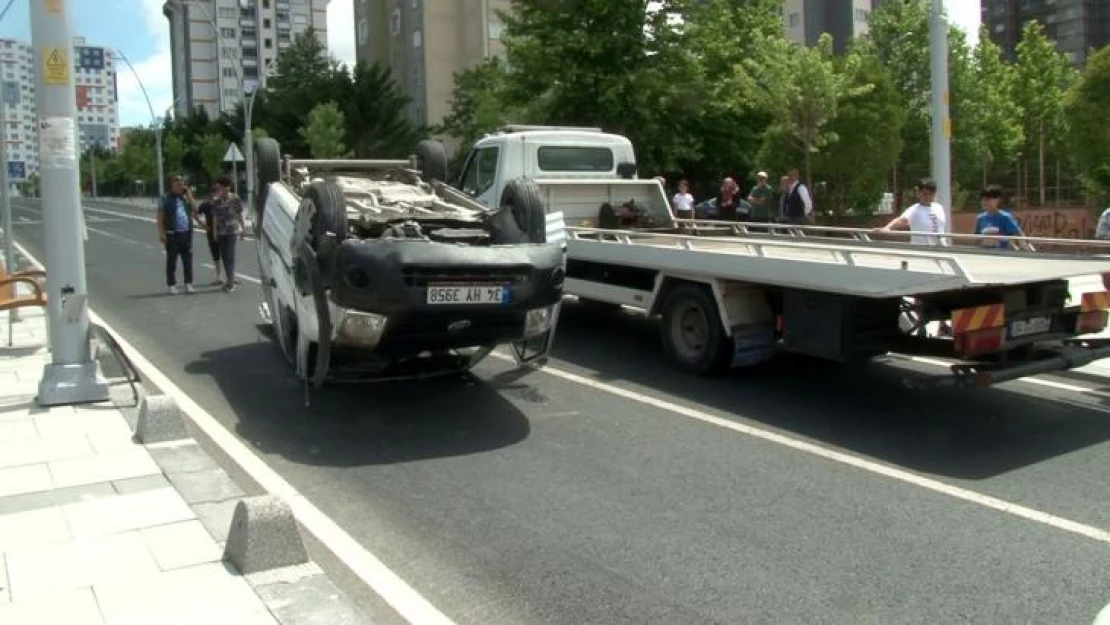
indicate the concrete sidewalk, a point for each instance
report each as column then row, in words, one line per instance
column 98, row 529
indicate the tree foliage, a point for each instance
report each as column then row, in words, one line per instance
column 1088, row 134
column 324, row 132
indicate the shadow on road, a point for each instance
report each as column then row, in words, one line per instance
column 963, row 434
column 357, row 425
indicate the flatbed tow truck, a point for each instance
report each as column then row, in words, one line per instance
column 734, row 294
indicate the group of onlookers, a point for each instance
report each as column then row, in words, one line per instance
column 790, row 203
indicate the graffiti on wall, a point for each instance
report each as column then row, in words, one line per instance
column 1063, row 223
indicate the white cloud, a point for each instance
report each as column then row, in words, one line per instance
column 966, row 16
column 154, row 72
column 341, row 31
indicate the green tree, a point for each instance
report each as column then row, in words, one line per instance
column 803, row 90
column 997, row 132
column 210, row 149
column 1088, row 135
column 374, row 108
column 1043, row 76
column 173, row 150
column 479, row 103
column 868, row 127
column 305, row 74
column 325, row 131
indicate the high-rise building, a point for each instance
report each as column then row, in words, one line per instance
column 1077, row 26
column 425, row 42
column 222, row 48
column 806, row 20
column 97, row 102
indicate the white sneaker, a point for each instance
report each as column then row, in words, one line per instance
column 189, row 289
column 173, row 290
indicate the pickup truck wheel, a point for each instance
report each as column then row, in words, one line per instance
column 693, row 336
column 267, row 170
column 328, row 226
column 432, row 160
column 522, row 198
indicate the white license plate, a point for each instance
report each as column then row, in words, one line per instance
column 1025, row 327
column 468, row 294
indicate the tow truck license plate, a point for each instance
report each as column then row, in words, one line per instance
column 468, row 294
column 1025, row 327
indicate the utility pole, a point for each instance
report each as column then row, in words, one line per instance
column 942, row 125
column 72, row 376
column 6, row 204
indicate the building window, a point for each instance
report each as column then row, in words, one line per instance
column 416, row 39
column 495, row 28
column 229, row 53
column 363, row 31
column 395, row 22
column 300, row 19
column 793, row 20
column 268, row 43
column 266, row 23
column 227, row 33
column 227, row 12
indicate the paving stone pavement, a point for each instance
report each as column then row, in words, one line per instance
column 97, row 529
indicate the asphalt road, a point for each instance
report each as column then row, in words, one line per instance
column 543, row 500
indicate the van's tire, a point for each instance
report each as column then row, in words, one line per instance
column 693, row 335
column 521, row 198
column 267, row 170
column 432, row 160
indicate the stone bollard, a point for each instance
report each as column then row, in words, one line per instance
column 159, row 421
column 264, row 535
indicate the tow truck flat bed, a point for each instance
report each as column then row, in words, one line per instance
column 845, row 266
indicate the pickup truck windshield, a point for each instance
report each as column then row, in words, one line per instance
column 575, row 158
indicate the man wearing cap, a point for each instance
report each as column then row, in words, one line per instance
column 761, row 198
column 176, row 212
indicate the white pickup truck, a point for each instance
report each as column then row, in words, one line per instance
column 734, row 294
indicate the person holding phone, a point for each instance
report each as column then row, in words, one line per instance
column 206, row 210
column 177, row 211
column 227, row 209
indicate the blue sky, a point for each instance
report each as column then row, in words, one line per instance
column 141, row 32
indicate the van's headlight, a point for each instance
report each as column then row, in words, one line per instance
column 361, row 329
column 537, row 321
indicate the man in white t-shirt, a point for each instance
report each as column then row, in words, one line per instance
column 683, row 201
column 927, row 216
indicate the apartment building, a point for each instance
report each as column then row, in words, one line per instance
column 97, row 102
column 425, row 42
column 221, row 49
column 1077, row 26
column 806, row 20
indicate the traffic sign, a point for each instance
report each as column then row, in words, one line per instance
column 55, row 66
column 233, row 155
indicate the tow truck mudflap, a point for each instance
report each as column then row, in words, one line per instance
column 1070, row 354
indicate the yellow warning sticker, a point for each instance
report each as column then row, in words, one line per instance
column 55, row 65
column 53, row 6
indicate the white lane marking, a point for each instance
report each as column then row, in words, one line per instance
column 237, row 274
column 118, row 237
column 797, row 444
column 119, row 214
column 404, row 599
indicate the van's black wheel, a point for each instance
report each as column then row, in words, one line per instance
column 329, row 216
column 267, row 170
column 432, row 160
column 693, row 334
column 521, row 198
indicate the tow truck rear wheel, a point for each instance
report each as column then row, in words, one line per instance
column 693, row 335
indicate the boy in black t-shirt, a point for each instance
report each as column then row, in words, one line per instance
column 207, row 209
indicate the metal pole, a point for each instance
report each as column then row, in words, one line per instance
column 158, row 159
column 248, row 158
column 92, row 169
column 6, row 204
column 72, row 375
column 942, row 126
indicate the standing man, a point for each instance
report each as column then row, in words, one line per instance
column 801, row 191
column 176, row 214
column 227, row 209
column 792, row 205
column 206, row 211
column 761, row 198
